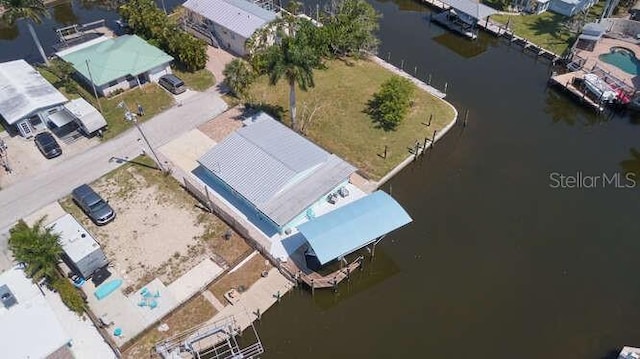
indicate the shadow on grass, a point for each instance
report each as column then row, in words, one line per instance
column 275, row 111
column 551, row 26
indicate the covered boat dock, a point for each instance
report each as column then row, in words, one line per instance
column 462, row 16
column 333, row 236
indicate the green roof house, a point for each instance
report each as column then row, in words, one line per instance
column 118, row 63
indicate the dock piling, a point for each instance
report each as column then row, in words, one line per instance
column 424, row 146
column 446, row 85
column 466, row 117
column 433, row 140
column 429, row 80
column 415, row 70
column 402, row 64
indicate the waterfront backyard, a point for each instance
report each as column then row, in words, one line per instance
column 341, row 124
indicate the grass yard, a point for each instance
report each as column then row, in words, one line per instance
column 195, row 312
column 544, row 30
column 241, row 279
column 341, row 125
column 547, row 29
column 198, row 80
column 152, row 98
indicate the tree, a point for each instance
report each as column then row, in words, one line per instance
column 238, row 76
column 390, row 105
column 151, row 23
column 293, row 57
column 38, row 247
column 350, row 27
column 32, row 11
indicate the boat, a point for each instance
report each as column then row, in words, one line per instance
column 629, row 353
column 599, row 88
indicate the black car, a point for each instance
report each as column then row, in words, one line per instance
column 93, row 205
column 172, row 83
column 48, row 145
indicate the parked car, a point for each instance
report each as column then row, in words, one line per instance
column 48, row 145
column 172, row 83
column 93, row 205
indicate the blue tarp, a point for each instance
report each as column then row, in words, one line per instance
column 353, row 226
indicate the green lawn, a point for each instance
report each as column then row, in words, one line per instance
column 341, row 124
column 198, row 80
column 546, row 29
column 152, row 98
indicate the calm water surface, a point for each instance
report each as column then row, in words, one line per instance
column 496, row 264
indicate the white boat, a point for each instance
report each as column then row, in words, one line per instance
column 598, row 87
column 629, row 353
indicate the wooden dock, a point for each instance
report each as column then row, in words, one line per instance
column 566, row 81
column 297, row 267
column 500, row 30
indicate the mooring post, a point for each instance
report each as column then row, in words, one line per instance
column 388, row 56
column 402, row 64
column 348, row 274
column 417, row 148
column 258, row 314
column 424, row 146
column 278, row 296
column 415, row 71
column 335, row 283
column 313, row 288
column 433, row 140
column 466, row 117
column 446, row 84
column 429, row 80
column 430, row 118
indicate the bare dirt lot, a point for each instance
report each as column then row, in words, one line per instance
column 160, row 231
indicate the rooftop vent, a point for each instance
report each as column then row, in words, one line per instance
column 7, row 297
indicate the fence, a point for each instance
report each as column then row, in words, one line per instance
column 215, row 206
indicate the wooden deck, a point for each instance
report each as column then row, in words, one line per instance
column 565, row 81
column 297, row 267
column 500, row 30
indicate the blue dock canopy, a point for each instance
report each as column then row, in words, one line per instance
column 353, row 226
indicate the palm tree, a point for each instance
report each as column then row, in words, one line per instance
column 31, row 10
column 38, row 247
column 293, row 58
column 238, row 76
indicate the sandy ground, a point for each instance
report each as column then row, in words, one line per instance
column 26, row 160
column 155, row 234
column 223, row 125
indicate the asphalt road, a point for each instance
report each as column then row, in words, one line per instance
column 30, row 194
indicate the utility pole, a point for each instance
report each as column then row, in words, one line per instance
column 95, row 92
column 132, row 118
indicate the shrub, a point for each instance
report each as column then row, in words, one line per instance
column 70, row 296
column 390, row 105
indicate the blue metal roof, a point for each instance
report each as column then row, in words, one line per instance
column 353, row 226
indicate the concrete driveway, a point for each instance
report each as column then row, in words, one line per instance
column 28, row 195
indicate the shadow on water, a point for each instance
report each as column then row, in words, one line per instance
column 462, row 46
column 62, row 13
column 8, row 32
column 374, row 271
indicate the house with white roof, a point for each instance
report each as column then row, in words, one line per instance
column 29, row 327
column 26, row 98
column 269, row 172
column 226, row 23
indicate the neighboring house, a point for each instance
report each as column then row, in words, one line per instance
column 82, row 113
column 570, row 7
column 82, row 253
column 112, row 64
column 29, row 327
column 26, row 98
column 269, row 170
column 226, row 23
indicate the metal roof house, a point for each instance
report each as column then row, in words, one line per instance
column 82, row 253
column 570, row 7
column 29, row 327
column 226, row 23
column 113, row 64
column 269, row 170
column 26, row 98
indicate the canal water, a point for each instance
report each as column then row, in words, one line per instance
column 497, row 263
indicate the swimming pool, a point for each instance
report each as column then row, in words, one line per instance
column 622, row 58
